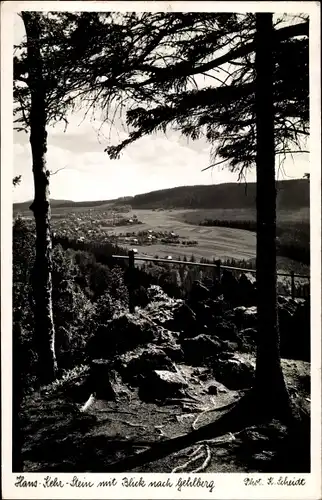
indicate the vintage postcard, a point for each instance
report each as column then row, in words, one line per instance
column 161, row 250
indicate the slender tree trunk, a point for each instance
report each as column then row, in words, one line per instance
column 42, row 277
column 270, row 383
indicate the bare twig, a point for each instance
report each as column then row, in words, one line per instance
column 56, row 171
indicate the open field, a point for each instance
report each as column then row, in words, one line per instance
column 213, row 242
column 301, row 215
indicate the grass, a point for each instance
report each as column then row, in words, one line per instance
column 67, row 377
column 283, row 216
column 293, row 229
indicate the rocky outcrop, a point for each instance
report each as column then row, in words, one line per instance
column 226, row 330
column 122, row 334
column 136, row 365
column 244, row 317
column 145, row 347
column 201, row 348
column 173, row 314
column 162, row 384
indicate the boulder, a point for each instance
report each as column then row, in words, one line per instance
column 161, row 384
column 208, row 313
column 226, row 330
column 136, row 365
column 245, row 317
column 234, row 373
column 200, row 348
column 172, row 314
column 174, row 352
column 202, row 373
column 121, row 334
column 184, row 320
column 229, row 347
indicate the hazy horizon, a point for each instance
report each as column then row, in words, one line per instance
column 146, row 192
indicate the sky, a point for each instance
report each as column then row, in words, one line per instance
column 85, row 172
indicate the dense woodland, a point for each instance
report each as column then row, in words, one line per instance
column 291, row 195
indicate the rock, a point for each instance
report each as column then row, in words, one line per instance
column 208, row 312
column 234, row 373
column 229, row 347
column 184, row 320
column 166, row 337
column 121, row 334
column 226, row 330
column 201, row 372
column 199, row 349
column 174, row 352
column 245, row 317
column 135, row 365
column 161, row 384
column 172, row 314
column 165, row 377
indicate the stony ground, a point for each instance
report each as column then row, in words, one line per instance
column 162, row 374
column 61, row 438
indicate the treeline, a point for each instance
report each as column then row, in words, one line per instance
column 248, row 225
column 291, row 194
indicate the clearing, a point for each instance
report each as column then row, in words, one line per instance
column 213, row 242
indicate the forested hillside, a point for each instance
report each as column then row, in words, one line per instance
column 291, row 195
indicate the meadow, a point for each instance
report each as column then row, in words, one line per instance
column 204, row 233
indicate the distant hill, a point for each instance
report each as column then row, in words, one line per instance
column 291, row 195
column 24, row 206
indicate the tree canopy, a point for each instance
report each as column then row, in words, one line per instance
column 221, row 48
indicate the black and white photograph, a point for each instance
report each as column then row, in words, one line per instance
column 161, row 249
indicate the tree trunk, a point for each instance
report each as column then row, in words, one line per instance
column 42, row 277
column 270, row 384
